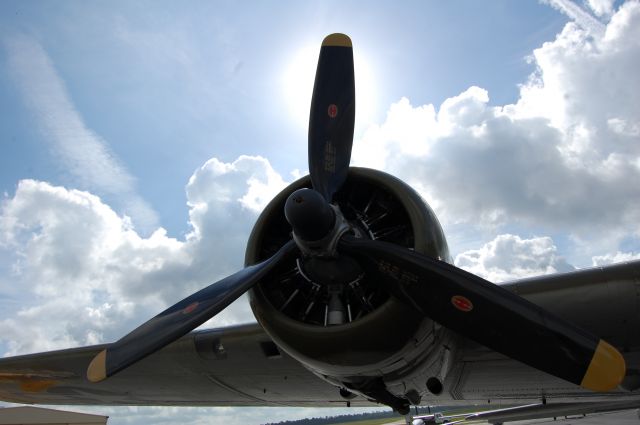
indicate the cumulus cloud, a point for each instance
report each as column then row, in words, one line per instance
column 82, row 152
column 563, row 157
column 618, row 257
column 81, row 274
column 509, row 257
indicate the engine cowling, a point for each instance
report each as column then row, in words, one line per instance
column 374, row 336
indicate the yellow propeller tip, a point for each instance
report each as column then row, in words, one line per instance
column 337, row 39
column 606, row 370
column 97, row 370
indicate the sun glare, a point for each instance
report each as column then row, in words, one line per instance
column 298, row 86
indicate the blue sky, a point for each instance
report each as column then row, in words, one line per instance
column 135, row 137
column 168, row 87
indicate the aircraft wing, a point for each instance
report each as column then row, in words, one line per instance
column 602, row 300
column 241, row 366
column 233, row 366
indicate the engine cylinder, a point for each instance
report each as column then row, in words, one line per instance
column 368, row 331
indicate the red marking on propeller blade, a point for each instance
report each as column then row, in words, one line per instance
column 189, row 309
column 332, row 111
column 462, row 303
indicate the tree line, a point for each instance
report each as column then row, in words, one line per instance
column 328, row 420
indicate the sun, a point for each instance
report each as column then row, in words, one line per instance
column 298, row 81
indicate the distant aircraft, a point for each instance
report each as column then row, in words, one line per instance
column 350, row 278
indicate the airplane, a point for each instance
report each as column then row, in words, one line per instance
column 358, row 303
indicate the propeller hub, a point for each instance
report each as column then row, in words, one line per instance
column 317, row 225
column 309, row 214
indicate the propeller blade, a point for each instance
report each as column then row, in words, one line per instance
column 331, row 121
column 491, row 315
column 181, row 318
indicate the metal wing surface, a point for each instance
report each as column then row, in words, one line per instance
column 234, row 366
column 603, row 300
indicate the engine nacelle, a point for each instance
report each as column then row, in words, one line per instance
column 374, row 336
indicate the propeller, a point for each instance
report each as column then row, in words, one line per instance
column 461, row 301
column 332, row 117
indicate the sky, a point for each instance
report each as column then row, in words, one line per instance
column 140, row 140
